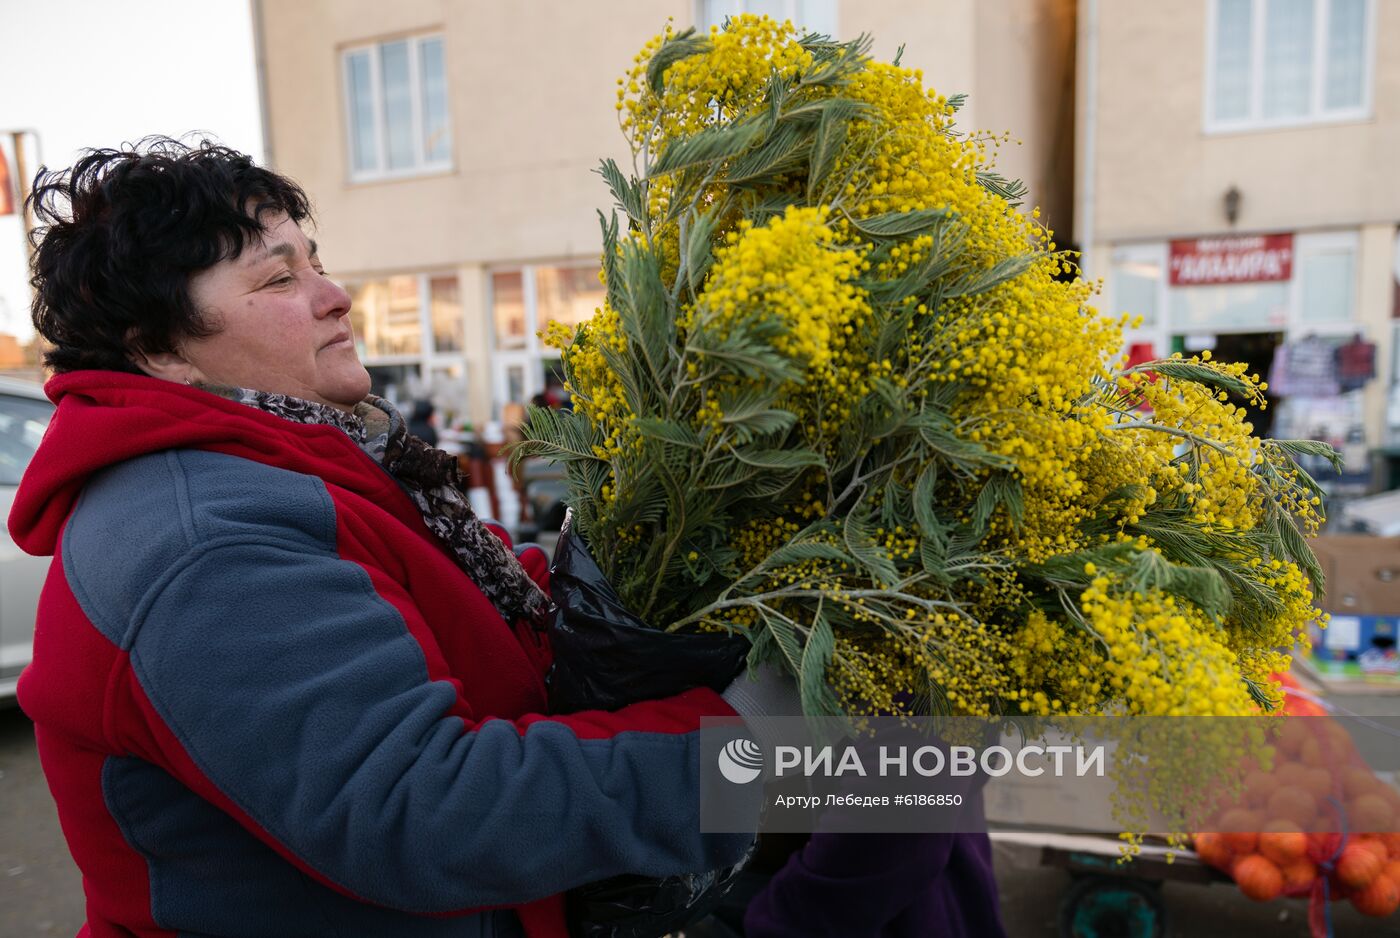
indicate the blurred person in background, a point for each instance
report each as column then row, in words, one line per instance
column 420, row 422
column 285, row 682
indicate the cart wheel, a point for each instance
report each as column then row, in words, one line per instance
column 1112, row 907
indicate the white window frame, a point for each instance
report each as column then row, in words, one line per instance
column 735, row 7
column 422, row 166
column 1322, row 13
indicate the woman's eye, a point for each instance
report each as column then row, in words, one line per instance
column 281, row 280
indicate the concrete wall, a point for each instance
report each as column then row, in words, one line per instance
column 531, row 93
column 1025, row 85
column 1157, row 174
column 1014, row 59
column 1160, row 173
column 939, row 37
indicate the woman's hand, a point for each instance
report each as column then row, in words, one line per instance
column 762, row 695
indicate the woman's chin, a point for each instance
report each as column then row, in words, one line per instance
column 347, row 385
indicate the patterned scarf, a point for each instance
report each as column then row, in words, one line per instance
column 432, row 480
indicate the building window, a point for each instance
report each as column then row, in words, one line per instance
column 445, row 313
column 817, row 16
column 1136, row 281
column 567, row 295
column 1279, row 63
column 508, row 309
column 387, row 317
column 524, row 301
column 1327, row 277
column 407, row 316
column 396, row 108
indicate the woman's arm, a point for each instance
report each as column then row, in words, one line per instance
column 276, row 680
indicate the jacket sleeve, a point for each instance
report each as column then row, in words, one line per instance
column 279, row 683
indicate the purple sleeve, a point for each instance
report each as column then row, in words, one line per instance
column 844, row 885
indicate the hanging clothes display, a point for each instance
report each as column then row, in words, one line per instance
column 1306, row 368
column 1356, row 364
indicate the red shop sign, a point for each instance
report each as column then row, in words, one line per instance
column 1244, row 259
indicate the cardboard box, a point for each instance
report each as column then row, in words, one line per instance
column 1066, row 804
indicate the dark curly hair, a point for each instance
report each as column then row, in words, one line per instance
column 121, row 231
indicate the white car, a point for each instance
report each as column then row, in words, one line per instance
column 24, row 415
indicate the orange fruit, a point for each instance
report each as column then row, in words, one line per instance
column 1213, row 849
column 1279, row 824
column 1292, row 804
column 1337, row 742
column 1358, row 781
column 1379, row 899
column 1258, row 878
column 1315, row 751
column 1283, row 847
column 1358, row 866
column 1290, row 773
column 1323, row 846
column 1241, row 842
column 1369, row 812
column 1372, row 843
column 1317, row 782
column 1240, row 830
column 1292, row 734
column 1257, row 786
column 1299, row 876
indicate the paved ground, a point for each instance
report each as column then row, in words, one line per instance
column 41, row 894
column 40, row 890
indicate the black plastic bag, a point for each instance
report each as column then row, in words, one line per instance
column 643, row 907
column 606, row 658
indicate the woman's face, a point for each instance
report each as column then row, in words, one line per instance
column 283, row 325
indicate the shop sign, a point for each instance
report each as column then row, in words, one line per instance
column 1245, row 259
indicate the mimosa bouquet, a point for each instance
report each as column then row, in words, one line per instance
column 849, row 405
column 848, row 400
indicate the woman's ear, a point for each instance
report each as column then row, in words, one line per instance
column 168, row 366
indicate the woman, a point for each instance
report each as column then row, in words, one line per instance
column 284, row 681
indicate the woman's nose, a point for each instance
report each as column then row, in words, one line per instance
column 333, row 300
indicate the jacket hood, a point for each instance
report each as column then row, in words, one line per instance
column 107, row 417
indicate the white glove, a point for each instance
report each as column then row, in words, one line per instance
column 761, row 696
column 768, row 691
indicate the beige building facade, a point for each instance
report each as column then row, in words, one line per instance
column 448, row 148
column 1236, row 186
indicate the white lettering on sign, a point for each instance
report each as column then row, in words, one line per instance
column 1252, row 259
